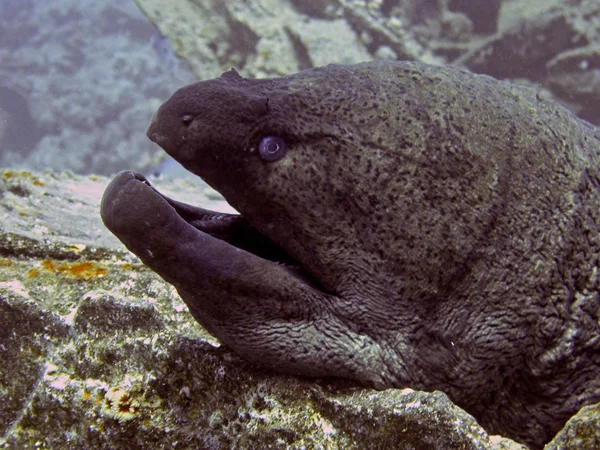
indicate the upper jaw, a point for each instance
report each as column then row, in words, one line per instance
column 168, row 132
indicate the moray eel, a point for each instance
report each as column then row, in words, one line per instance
column 400, row 225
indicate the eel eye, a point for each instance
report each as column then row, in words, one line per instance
column 271, row 148
column 187, row 119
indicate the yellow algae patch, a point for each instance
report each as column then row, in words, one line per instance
column 32, row 273
column 82, row 270
column 86, row 269
column 86, row 395
column 10, row 174
column 77, row 248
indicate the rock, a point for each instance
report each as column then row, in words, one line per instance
column 278, row 38
column 380, row 27
column 554, row 45
column 485, row 20
column 99, row 352
column 514, row 12
column 321, row 9
column 582, row 431
column 517, row 53
column 574, row 77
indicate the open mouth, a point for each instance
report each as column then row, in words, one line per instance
column 158, row 230
column 231, row 228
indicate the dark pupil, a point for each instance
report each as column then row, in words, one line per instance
column 273, row 147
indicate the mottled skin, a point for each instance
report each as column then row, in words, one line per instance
column 446, row 226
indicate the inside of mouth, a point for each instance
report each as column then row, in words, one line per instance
column 238, row 232
column 233, row 229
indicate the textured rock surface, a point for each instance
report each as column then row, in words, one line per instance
column 574, row 77
column 277, row 37
column 550, row 43
column 516, row 51
column 582, row 431
column 98, row 352
column 274, row 37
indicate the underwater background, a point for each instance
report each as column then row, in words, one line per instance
column 79, row 80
